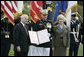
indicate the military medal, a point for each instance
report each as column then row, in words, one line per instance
column 7, row 35
column 60, row 28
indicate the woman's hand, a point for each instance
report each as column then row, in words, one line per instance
column 53, row 48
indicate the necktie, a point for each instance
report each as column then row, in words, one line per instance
column 25, row 26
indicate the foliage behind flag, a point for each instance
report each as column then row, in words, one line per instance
column 20, row 6
column 47, row 5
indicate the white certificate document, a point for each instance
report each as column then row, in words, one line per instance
column 39, row 37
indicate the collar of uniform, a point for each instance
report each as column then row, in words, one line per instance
column 74, row 21
column 44, row 20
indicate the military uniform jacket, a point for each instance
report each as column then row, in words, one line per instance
column 6, row 27
column 61, row 40
column 73, row 25
column 40, row 25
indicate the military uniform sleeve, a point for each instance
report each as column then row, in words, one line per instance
column 11, row 33
column 36, row 28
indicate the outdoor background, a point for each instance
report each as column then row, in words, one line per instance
column 27, row 11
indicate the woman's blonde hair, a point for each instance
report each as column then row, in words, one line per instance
column 61, row 16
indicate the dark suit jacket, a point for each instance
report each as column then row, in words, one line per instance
column 21, row 38
column 40, row 25
column 72, row 39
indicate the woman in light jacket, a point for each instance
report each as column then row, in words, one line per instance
column 61, row 37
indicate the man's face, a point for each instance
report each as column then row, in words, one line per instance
column 25, row 20
column 73, row 18
column 44, row 16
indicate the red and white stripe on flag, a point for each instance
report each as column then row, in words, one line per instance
column 9, row 8
column 35, row 13
column 14, row 8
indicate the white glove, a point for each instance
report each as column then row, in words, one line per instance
column 18, row 49
column 49, row 34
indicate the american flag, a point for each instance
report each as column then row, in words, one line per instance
column 10, row 9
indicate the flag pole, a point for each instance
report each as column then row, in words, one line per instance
column 77, row 30
column 78, row 13
column 81, row 19
column 76, row 10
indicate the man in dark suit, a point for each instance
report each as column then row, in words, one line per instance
column 21, row 37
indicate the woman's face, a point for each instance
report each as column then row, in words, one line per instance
column 61, row 21
column 73, row 18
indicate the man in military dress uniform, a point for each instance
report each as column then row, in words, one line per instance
column 6, row 36
column 44, row 23
column 74, row 40
column 40, row 25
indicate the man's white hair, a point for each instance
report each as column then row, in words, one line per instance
column 24, row 15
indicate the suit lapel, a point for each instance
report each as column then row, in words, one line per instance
column 57, row 29
column 64, row 30
column 22, row 28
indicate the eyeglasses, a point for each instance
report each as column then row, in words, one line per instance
column 26, row 18
column 45, row 15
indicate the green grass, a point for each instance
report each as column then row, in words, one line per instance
column 11, row 53
column 80, row 52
